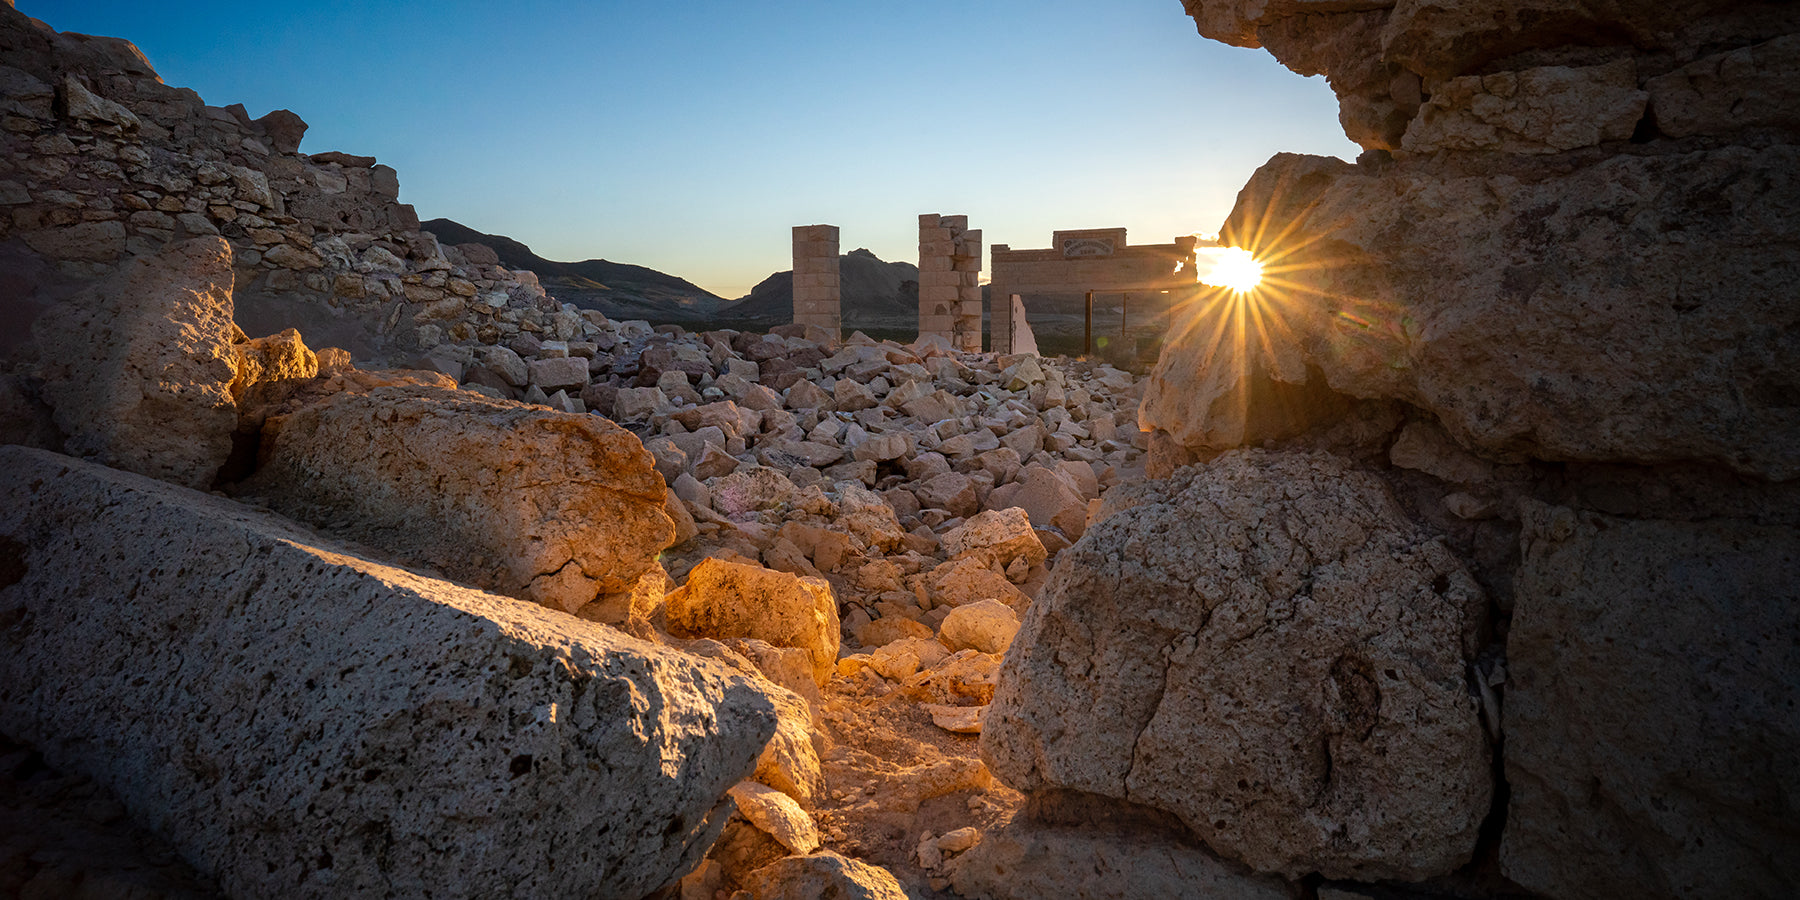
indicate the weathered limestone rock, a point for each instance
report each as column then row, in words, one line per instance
column 996, row 537
column 985, row 625
column 1273, row 653
column 1539, row 110
column 778, row 815
column 969, row 580
column 825, row 876
column 546, row 506
column 1499, row 317
column 1649, row 711
column 139, row 368
column 301, row 722
column 1047, row 498
column 1023, row 861
column 1752, row 86
column 732, row 600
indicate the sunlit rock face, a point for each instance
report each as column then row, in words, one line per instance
column 140, row 367
column 1634, row 306
column 1579, row 249
column 541, row 505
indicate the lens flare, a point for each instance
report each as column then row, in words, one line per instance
column 1232, row 268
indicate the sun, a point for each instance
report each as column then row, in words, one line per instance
column 1233, row 268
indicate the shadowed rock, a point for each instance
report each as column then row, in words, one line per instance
column 301, row 722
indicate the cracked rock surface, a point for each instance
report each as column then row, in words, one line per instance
column 535, row 504
column 1271, row 651
column 301, row 722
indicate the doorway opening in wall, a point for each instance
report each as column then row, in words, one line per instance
column 1124, row 328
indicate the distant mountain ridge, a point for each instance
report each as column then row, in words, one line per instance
column 620, row 290
column 875, row 294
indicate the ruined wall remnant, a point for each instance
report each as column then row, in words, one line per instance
column 817, row 299
column 100, row 161
column 1092, row 260
column 950, row 280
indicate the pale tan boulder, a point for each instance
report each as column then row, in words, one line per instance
column 1649, row 707
column 269, row 670
column 266, row 364
column 985, row 625
column 545, row 506
column 996, row 536
column 888, row 629
column 776, row 814
column 965, row 678
column 969, row 580
column 1273, row 653
column 732, row 600
column 956, row 719
column 1049, row 499
column 825, row 876
column 139, row 368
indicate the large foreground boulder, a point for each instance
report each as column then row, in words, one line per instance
column 139, row 368
column 1650, row 715
column 301, row 722
column 546, row 506
column 1270, row 651
column 1027, row 861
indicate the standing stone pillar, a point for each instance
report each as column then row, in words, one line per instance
column 1000, row 317
column 817, row 300
column 950, row 280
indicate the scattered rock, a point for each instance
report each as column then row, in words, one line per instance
column 725, row 599
column 985, row 625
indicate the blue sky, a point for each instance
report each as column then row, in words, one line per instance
column 690, row 136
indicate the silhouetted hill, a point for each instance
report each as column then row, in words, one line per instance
column 620, row 290
column 875, row 294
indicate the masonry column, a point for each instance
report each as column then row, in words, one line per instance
column 816, row 297
column 1000, row 315
column 950, row 280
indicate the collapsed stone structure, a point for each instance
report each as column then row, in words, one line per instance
column 1085, row 261
column 100, row 162
column 950, row 280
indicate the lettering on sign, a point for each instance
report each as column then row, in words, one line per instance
column 1075, row 248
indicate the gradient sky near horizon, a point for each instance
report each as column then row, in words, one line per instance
column 690, row 135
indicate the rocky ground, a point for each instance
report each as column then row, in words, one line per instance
column 856, row 526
